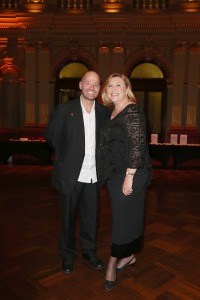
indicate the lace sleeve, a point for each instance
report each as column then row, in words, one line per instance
column 135, row 123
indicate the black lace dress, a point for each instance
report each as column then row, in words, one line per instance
column 123, row 144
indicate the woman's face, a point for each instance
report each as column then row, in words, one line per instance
column 116, row 90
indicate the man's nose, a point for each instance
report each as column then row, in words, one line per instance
column 92, row 86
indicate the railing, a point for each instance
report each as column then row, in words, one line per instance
column 75, row 4
column 150, row 4
column 84, row 4
column 142, row 5
column 9, row 4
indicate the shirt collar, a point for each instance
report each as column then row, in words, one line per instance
column 83, row 108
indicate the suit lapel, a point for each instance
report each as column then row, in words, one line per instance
column 75, row 113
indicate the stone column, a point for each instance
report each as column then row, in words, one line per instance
column 193, row 87
column 10, row 95
column 1, row 103
column 118, row 60
column 30, row 87
column 22, row 102
column 169, row 107
column 43, row 66
column 104, row 62
column 51, row 97
column 177, row 97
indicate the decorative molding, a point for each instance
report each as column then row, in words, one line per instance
column 93, row 51
column 65, row 57
column 156, row 56
column 7, row 63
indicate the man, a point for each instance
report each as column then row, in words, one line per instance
column 72, row 132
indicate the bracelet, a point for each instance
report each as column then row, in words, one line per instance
column 131, row 174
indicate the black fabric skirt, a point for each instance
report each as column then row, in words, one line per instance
column 127, row 214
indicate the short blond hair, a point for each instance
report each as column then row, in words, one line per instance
column 104, row 96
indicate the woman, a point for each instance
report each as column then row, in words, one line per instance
column 124, row 164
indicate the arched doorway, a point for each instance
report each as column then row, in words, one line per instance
column 67, row 83
column 150, row 89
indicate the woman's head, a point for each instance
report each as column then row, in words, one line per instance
column 117, row 87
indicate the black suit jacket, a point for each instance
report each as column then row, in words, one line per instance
column 65, row 134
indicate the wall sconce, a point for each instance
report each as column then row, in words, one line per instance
column 190, row 5
column 118, row 49
column 35, row 6
column 103, row 49
column 112, row 6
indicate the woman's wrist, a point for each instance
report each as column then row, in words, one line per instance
column 129, row 173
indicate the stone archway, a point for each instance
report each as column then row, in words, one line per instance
column 72, row 56
column 151, row 91
column 67, row 83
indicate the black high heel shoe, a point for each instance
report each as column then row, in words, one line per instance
column 109, row 285
column 131, row 262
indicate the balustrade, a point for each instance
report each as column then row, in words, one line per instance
column 142, row 5
column 150, row 4
column 86, row 4
column 9, row 4
column 74, row 4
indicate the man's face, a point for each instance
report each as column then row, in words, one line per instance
column 90, row 86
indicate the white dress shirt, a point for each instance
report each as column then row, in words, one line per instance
column 88, row 171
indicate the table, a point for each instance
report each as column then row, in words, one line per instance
column 180, row 153
column 36, row 148
column 159, row 152
column 183, row 153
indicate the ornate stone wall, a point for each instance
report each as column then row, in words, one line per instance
column 40, row 44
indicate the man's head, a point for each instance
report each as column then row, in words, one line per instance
column 90, row 85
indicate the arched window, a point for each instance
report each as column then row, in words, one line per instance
column 73, row 70
column 149, row 86
column 67, row 85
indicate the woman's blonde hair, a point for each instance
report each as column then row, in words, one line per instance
column 127, row 83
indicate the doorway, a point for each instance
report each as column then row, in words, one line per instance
column 150, row 89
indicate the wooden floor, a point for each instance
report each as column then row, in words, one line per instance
column 167, row 268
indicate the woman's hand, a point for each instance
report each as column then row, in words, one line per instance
column 127, row 185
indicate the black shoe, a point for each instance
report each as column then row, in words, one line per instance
column 131, row 262
column 67, row 266
column 109, row 285
column 94, row 261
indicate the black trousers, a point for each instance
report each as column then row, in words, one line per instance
column 84, row 198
